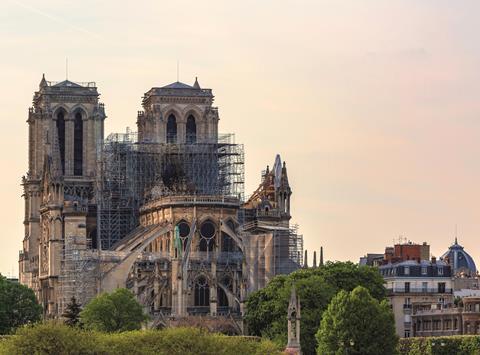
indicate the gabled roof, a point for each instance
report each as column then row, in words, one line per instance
column 177, row 85
column 67, row 83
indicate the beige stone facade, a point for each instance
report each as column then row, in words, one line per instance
column 193, row 246
column 450, row 320
column 65, row 127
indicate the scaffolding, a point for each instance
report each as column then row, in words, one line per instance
column 79, row 274
column 288, row 250
column 132, row 173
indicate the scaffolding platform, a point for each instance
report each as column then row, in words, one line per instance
column 132, row 173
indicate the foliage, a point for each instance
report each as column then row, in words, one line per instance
column 113, row 312
column 56, row 338
column 72, row 313
column 266, row 313
column 18, row 306
column 459, row 345
column 356, row 323
column 48, row 338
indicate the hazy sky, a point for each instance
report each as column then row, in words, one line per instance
column 374, row 105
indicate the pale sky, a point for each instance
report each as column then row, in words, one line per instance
column 374, row 105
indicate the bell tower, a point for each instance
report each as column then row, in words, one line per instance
column 65, row 134
column 66, row 119
column 178, row 114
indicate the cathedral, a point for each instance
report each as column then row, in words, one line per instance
column 160, row 211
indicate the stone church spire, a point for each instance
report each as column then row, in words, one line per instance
column 43, row 82
column 196, row 85
column 293, row 345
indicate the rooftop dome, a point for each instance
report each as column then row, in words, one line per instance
column 459, row 259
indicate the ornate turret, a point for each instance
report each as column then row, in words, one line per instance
column 271, row 200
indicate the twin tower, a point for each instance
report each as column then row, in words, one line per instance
column 89, row 199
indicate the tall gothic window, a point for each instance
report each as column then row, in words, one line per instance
column 172, row 129
column 78, row 145
column 222, row 298
column 61, row 137
column 191, row 130
column 228, row 244
column 207, row 236
column 202, row 292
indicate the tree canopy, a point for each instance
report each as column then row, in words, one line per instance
column 113, row 312
column 266, row 309
column 357, row 323
column 18, row 306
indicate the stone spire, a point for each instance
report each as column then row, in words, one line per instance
column 285, row 175
column 314, row 259
column 321, row 257
column 43, row 82
column 196, row 85
column 293, row 317
column 305, row 260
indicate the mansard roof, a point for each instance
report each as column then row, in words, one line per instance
column 430, row 269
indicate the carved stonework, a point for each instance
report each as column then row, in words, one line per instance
column 293, row 345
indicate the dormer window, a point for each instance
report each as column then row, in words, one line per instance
column 424, row 270
column 440, row 270
column 406, row 270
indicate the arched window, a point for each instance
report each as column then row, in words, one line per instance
column 191, row 130
column 61, row 137
column 222, row 298
column 183, row 231
column 207, row 236
column 228, row 244
column 202, row 292
column 172, row 129
column 78, row 145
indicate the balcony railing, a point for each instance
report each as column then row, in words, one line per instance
column 433, row 311
column 198, row 310
column 418, row 290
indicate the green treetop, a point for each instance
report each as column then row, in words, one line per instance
column 356, row 323
column 18, row 306
column 266, row 308
column 113, row 312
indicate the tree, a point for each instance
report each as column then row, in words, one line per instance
column 266, row 309
column 113, row 312
column 18, row 306
column 356, row 323
column 72, row 313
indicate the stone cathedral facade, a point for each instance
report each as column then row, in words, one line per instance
column 160, row 212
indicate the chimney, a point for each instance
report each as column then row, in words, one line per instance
column 434, row 260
